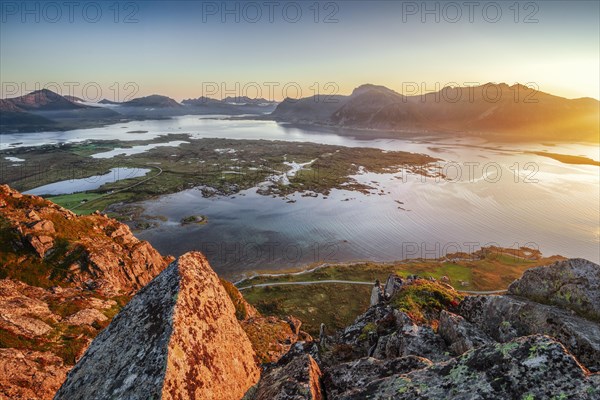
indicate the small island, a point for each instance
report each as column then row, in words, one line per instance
column 194, row 219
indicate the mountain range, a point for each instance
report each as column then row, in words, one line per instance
column 44, row 110
column 491, row 109
column 514, row 112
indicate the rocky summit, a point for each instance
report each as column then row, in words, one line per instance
column 180, row 338
column 177, row 339
column 421, row 343
column 62, row 278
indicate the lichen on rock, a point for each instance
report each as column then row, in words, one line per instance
column 177, row 338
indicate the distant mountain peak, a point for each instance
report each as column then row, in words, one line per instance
column 44, row 100
column 153, row 100
column 371, row 87
column 106, row 101
column 515, row 111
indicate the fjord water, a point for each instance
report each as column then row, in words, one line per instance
column 89, row 183
column 536, row 201
column 249, row 232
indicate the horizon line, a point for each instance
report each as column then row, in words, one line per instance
column 229, row 95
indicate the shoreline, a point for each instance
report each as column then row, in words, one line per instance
column 478, row 255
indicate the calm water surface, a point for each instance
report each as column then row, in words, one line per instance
column 83, row 184
column 494, row 194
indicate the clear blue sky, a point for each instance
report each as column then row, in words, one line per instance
column 176, row 48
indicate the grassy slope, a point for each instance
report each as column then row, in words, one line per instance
column 337, row 305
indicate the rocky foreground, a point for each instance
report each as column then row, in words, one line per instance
column 186, row 334
column 179, row 338
column 540, row 341
column 64, row 277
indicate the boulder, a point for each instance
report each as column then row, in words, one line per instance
column 86, row 317
column 294, row 378
column 43, row 226
column 533, row 367
column 177, row 338
column 346, row 378
column 460, row 335
column 504, row 318
column 41, row 244
column 572, row 284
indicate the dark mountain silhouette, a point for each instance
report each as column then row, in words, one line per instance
column 201, row 101
column 155, row 101
column 106, row 101
column 46, row 110
column 43, row 100
column 309, row 109
column 486, row 109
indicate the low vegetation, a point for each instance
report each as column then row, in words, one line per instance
column 220, row 166
column 336, row 305
column 423, row 300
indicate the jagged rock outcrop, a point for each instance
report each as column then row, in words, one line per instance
column 505, row 318
column 460, row 335
column 534, row 367
column 177, row 338
column 572, row 284
column 409, row 338
column 91, row 251
column 63, row 278
column 504, row 347
column 292, row 378
column 384, row 331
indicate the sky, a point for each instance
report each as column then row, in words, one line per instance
column 278, row 49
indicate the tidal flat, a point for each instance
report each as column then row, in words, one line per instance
column 221, row 167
